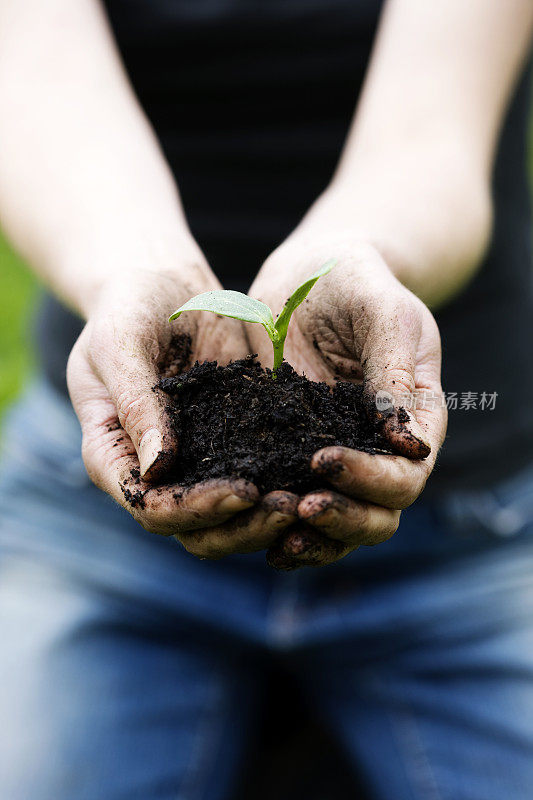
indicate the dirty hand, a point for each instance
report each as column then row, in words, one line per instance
column 112, row 371
column 359, row 322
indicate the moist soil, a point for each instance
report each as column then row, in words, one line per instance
column 237, row 421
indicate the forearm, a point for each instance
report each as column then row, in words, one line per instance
column 415, row 175
column 85, row 193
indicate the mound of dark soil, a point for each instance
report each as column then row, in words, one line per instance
column 238, row 421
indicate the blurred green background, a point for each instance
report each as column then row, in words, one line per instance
column 18, row 298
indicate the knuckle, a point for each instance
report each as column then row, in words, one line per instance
column 78, row 372
column 377, row 472
column 152, row 522
column 198, row 545
column 406, row 491
column 144, row 520
column 405, row 497
column 149, row 522
column 383, row 531
column 98, row 451
column 403, row 483
column 406, row 309
column 157, row 514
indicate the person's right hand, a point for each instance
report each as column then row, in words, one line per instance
column 114, row 366
column 360, row 324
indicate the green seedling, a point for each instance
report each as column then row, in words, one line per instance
column 239, row 306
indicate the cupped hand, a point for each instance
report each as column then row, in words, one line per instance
column 128, row 441
column 358, row 323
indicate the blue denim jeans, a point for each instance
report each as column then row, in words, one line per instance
column 129, row 669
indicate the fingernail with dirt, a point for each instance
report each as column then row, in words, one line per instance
column 315, row 505
column 412, row 438
column 150, row 447
column 327, row 467
column 245, row 490
column 284, row 504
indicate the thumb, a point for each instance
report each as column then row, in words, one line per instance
column 388, row 361
column 129, row 374
column 142, row 412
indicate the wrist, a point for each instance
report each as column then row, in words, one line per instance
column 139, row 267
column 306, row 250
column 433, row 241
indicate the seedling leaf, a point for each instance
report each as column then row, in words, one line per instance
column 230, row 304
column 298, row 296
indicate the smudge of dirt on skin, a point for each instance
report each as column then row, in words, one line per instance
column 330, row 466
column 323, row 503
column 177, row 357
column 133, row 495
column 135, row 498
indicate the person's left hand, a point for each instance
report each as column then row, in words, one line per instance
column 359, row 322
column 129, row 442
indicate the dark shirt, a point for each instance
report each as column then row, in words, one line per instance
column 251, row 101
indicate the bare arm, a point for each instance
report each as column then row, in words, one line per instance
column 414, row 178
column 85, row 193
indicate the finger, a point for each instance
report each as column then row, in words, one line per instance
column 169, row 510
column 340, row 518
column 247, row 532
column 142, row 413
column 391, row 481
column 305, row 547
column 174, row 511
